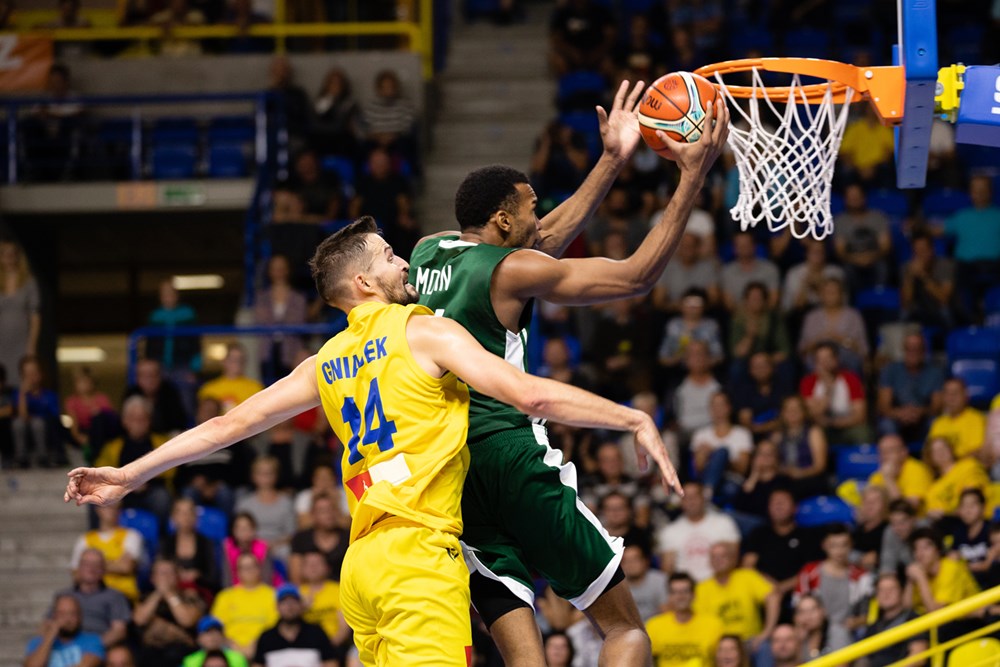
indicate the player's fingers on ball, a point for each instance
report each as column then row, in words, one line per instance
column 635, row 96
column 671, row 143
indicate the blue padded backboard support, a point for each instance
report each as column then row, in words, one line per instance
column 917, row 53
column 979, row 114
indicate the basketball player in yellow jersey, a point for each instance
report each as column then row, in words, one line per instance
column 389, row 386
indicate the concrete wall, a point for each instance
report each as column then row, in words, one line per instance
column 240, row 73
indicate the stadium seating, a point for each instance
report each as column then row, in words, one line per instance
column 856, row 461
column 973, row 343
column 982, row 652
column 146, row 524
column 981, row 377
column 173, row 162
column 822, row 510
column 212, row 523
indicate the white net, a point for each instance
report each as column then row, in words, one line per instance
column 786, row 157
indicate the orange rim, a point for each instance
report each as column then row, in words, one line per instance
column 882, row 87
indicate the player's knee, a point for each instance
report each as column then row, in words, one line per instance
column 629, row 638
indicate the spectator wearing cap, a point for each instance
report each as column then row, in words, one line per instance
column 248, row 608
column 211, row 638
column 293, row 641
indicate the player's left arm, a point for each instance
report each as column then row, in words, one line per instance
column 620, row 136
column 293, row 394
column 528, row 274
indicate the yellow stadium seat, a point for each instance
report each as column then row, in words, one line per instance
column 983, row 652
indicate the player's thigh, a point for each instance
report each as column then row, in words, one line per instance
column 356, row 603
column 414, row 585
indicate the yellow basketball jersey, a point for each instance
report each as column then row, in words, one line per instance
column 403, row 430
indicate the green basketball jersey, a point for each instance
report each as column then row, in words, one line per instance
column 453, row 279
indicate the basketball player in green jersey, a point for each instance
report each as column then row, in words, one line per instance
column 520, row 505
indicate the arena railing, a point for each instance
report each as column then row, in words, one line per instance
column 929, row 623
column 143, row 333
column 419, row 32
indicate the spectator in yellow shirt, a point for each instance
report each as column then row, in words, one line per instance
column 952, row 477
column 735, row 596
column 867, row 147
column 937, row 581
column 964, row 426
column 321, row 598
column 246, row 609
column 902, row 475
column 679, row 637
column 233, row 386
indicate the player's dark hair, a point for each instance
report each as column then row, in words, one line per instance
column 484, row 192
column 338, row 255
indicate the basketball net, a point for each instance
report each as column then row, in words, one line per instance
column 786, row 158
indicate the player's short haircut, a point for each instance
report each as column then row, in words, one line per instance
column 338, row 256
column 484, row 192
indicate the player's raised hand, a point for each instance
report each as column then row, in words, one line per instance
column 95, row 486
column 648, row 443
column 620, row 128
column 699, row 156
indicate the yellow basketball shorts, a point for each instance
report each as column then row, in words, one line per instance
column 404, row 589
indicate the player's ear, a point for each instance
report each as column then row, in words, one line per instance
column 364, row 285
column 503, row 220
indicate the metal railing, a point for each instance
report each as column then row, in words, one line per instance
column 928, row 623
column 418, row 32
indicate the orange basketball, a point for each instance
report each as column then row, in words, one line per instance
column 676, row 104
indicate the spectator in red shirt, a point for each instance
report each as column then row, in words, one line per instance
column 843, row 586
column 835, row 398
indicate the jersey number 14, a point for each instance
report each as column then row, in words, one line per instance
column 381, row 434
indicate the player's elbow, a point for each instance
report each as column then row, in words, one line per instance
column 531, row 399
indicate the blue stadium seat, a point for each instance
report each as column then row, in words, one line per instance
column 212, row 523
column 231, row 129
column 115, row 130
column 973, row 343
column 227, row 161
column 177, row 130
column 589, row 127
column 992, row 301
column 167, row 162
column 821, row 510
column 885, row 299
column 856, row 461
column 341, row 166
column 577, row 90
column 891, row 202
column 981, row 377
column 836, row 203
column 146, row 524
column 807, row 43
column 943, row 202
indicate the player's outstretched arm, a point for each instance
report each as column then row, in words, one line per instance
column 440, row 344
column 293, row 394
column 620, row 136
column 530, row 274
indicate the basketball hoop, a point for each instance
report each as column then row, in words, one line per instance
column 786, row 157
